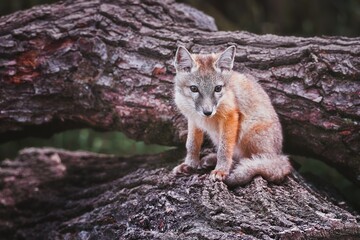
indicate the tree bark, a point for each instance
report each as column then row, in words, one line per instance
column 108, row 65
column 56, row 194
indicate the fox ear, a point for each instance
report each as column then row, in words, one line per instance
column 183, row 60
column 225, row 62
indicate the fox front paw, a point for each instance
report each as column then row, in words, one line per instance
column 183, row 169
column 218, row 175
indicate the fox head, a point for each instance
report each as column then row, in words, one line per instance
column 201, row 80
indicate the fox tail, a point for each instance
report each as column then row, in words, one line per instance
column 272, row 167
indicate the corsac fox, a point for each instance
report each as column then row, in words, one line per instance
column 236, row 113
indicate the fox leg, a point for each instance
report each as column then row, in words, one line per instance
column 193, row 145
column 229, row 130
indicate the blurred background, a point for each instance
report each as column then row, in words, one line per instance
column 285, row 17
column 281, row 17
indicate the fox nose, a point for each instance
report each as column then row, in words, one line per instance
column 207, row 113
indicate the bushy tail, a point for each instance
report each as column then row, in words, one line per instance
column 270, row 166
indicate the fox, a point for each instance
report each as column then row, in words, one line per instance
column 235, row 112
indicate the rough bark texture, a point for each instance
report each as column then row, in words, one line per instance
column 108, row 65
column 55, row 194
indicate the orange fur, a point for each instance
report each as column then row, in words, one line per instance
column 248, row 146
column 204, row 63
column 228, row 125
column 198, row 137
column 229, row 128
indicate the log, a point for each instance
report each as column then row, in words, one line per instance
column 108, row 65
column 57, row 194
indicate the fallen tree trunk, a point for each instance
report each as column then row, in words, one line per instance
column 56, row 194
column 108, row 65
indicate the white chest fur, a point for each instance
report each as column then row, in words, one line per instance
column 210, row 127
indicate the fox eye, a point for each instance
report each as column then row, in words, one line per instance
column 218, row 88
column 194, row 88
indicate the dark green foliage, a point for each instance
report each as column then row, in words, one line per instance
column 84, row 139
column 283, row 17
